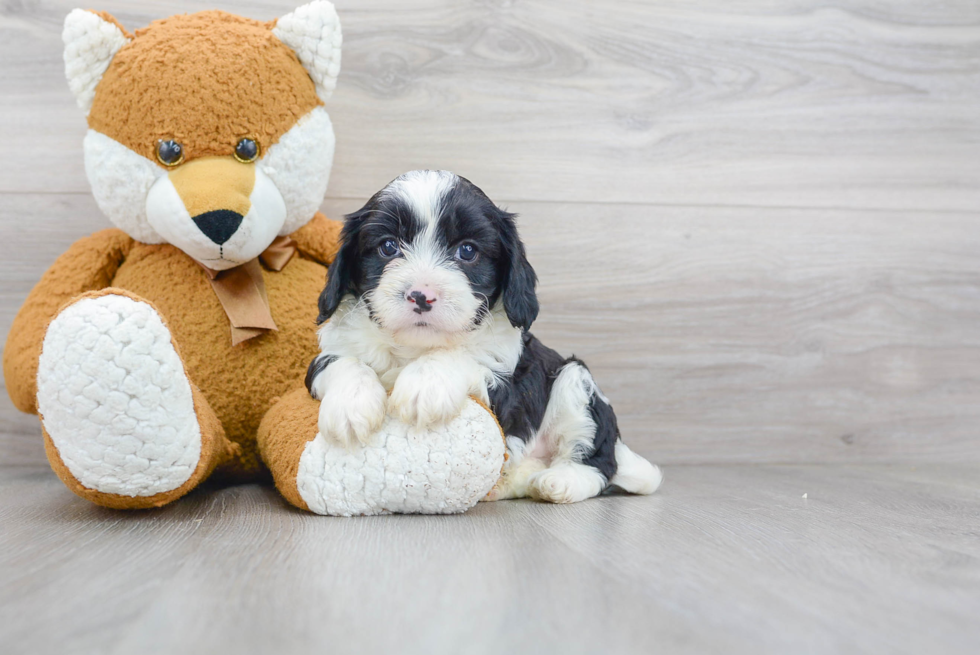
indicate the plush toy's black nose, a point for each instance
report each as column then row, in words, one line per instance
column 219, row 224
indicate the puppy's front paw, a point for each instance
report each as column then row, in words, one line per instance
column 423, row 397
column 353, row 408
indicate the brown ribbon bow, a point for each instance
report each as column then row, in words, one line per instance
column 241, row 291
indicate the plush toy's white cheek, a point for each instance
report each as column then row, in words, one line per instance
column 299, row 166
column 120, row 180
column 235, row 241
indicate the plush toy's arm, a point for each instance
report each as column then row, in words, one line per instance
column 89, row 264
column 319, row 239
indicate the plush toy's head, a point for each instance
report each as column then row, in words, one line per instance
column 207, row 131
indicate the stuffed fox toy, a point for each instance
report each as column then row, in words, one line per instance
column 153, row 351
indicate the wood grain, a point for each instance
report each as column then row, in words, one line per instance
column 726, row 559
column 719, row 334
column 755, row 222
column 803, row 103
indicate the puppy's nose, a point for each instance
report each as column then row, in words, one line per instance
column 218, row 225
column 423, row 299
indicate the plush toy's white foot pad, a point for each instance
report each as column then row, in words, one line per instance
column 115, row 400
column 441, row 470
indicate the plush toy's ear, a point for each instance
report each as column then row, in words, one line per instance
column 313, row 33
column 91, row 41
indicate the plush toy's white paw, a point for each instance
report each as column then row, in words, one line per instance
column 443, row 470
column 426, row 395
column 566, row 482
column 354, row 402
column 115, row 400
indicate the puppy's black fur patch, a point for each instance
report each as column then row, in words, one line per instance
column 520, row 402
column 316, row 367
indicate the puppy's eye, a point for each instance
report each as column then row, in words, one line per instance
column 247, row 151
column 466, row 252
column 169, row 152
column 389, row 248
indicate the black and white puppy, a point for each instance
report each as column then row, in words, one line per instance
column 431, row 297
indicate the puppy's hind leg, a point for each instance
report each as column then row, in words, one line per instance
column 521, row 466
column 622, row 467
column 589, row 455
column 581, row 441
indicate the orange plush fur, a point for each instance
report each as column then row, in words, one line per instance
column 250, row 85
column 242, row 82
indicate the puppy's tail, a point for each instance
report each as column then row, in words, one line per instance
column 633, row 473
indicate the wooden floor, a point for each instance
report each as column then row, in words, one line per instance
column 758, row 222
column 727, row 559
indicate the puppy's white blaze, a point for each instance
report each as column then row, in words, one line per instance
column 168, row 216
column 634, row 473
column 423, row 192
column 425, row 264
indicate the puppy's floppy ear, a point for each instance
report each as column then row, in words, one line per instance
column 517, row 289
column 342, row 271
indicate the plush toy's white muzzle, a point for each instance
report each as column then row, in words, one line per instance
column 217, row 210
column 442, row 470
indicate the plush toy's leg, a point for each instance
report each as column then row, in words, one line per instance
column 123, row 425
column 283, row 435
column 442, row 470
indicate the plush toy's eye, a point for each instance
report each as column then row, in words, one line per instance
column 389, row 248
column 169, row 152
column 466, row 252
column 247, row 151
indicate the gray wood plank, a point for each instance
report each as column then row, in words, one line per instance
column 872, row 560
column 720, row 334
column 767, row 335
column 803, row 103
column 725, row 559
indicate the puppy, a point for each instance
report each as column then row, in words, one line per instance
column 430, row 298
